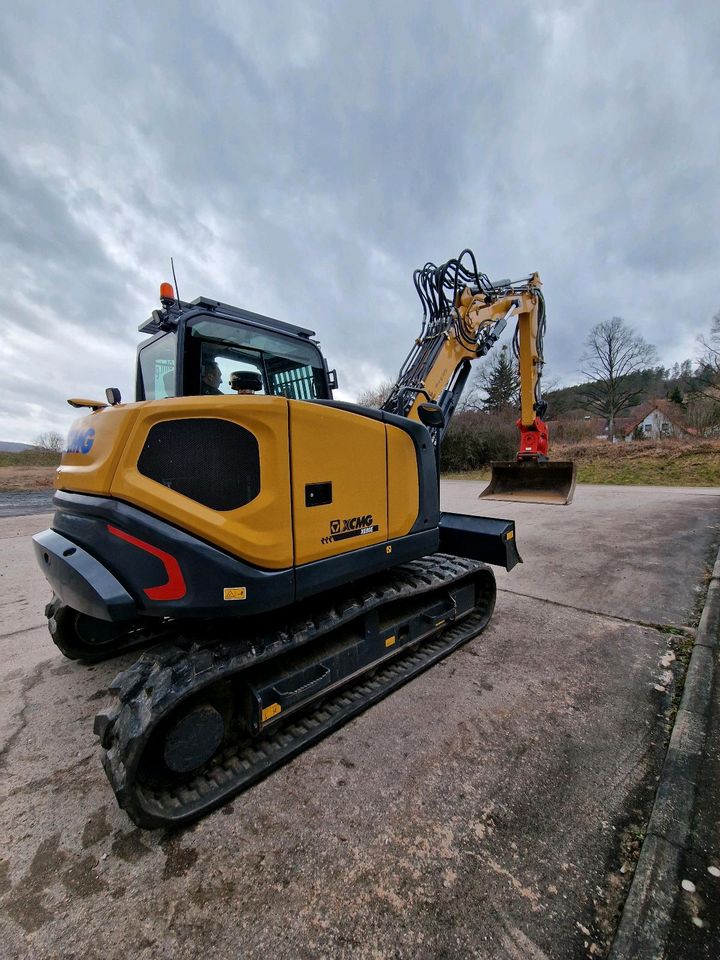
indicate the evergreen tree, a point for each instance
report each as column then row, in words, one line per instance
column 501, row 383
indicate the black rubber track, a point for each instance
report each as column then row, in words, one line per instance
column 63, row 624
column 166, row 676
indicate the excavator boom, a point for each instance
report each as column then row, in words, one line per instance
column 464, row 314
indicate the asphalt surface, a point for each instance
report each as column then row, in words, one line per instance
column 490, row 808
column 25, row 502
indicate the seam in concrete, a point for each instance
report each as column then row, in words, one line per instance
column 16, row 633
column 27, row 686
column 687, row 631
column 646, row 921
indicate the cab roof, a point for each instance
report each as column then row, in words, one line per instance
column 167, row 318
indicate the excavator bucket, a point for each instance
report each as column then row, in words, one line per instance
column 530, row 481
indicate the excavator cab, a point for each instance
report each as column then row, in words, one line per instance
column 208, row 348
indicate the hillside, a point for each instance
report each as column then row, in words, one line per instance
column 27, row 469
column 647, row 384
column 661, row 462
column 655, row 463
column 10, row 446
column 31, row 457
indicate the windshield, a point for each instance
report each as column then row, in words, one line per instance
column 235, row 358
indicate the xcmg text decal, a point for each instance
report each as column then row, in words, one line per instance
column 350, row 527
column 80, row 441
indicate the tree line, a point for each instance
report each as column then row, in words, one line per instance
column 617, row 362
column 621, row 372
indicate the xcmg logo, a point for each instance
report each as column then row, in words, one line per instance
column 350, row 527
column 80, row 441
column 352, row 523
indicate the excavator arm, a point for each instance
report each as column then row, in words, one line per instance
column 464, row 314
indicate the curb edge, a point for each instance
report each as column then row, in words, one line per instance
column 649, row 909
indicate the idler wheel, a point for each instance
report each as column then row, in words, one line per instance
column 81, row 637
column 193, row 739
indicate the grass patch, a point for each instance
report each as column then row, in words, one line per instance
column 29, row 458
column 644, row 462
column 468, row 475
column 682, row 646
column 27, row 470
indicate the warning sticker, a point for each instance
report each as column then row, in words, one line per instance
column 234, row 593
column 269, row 712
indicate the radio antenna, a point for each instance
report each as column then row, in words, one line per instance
column 177, row 292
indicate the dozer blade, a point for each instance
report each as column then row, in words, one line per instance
column 532, row 482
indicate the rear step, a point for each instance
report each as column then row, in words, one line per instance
column 480, row 538
column 179, row 743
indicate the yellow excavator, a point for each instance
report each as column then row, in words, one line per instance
column 281, row 555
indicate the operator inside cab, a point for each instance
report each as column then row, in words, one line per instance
column 211, row 379
column 240, row 381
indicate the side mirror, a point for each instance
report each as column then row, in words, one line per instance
column 431, row 415
column 332, row 379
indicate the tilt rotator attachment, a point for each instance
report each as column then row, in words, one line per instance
column 532, row 478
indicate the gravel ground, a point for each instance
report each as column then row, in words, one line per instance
column 491, row 808
column 25, row 502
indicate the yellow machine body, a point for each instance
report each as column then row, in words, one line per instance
column 273, row 547
column 371, row 466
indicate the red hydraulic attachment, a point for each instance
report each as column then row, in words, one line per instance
column 533, row 440
column 532, row 478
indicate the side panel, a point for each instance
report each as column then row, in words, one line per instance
column 403, row 487
column 260, row 531
column 329, row 446
column 95, row 444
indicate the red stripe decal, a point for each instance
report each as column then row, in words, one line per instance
column 175, row 587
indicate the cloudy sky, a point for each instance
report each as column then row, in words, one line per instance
column 301, row 159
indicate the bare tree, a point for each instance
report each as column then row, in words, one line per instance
column 51, row 441
column 703, row 414
column 376, row 396
column 706, row 381
column 613, row 352
column 472, row 399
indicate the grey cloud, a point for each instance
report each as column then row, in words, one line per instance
column 303, row 165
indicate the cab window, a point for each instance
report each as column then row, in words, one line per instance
column 221, row 369
column 285, row 366
column 157, row 367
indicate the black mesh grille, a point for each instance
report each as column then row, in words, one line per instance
column 212, row 461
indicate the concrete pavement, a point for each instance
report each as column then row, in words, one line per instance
column 491, row 808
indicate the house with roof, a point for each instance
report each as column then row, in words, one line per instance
column 656, row 419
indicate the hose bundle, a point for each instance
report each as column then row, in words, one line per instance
column 439, row 288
